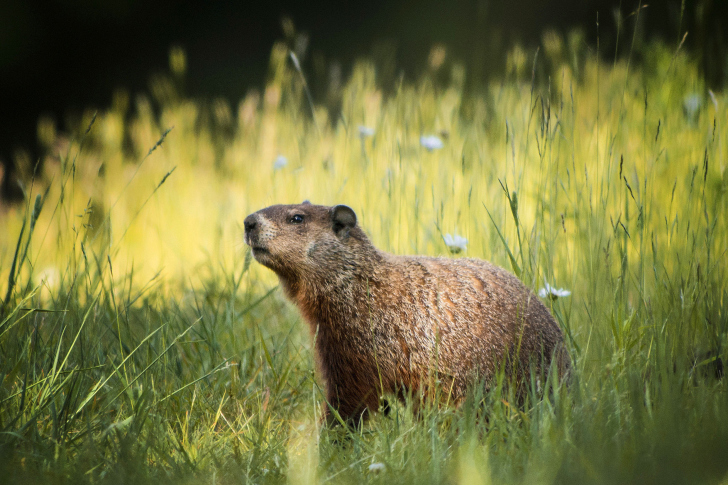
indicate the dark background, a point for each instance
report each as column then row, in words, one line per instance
column 57, row 57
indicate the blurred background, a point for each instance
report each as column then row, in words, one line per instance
column 59, row 57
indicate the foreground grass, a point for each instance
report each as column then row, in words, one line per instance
column 138, row 343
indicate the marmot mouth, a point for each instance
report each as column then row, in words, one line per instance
column 259, row 250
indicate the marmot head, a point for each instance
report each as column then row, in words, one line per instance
column 304, row 239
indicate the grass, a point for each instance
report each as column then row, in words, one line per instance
column 138, row 343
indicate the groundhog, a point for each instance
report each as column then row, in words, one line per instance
column 403, row 325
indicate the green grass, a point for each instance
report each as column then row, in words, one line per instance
column 140, row 344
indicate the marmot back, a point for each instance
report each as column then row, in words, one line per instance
column 395, row 324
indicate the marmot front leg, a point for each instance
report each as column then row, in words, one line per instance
column 352, row 409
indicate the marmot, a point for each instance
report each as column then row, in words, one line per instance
column 396, row 324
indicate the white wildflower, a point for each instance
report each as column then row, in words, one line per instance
column 280, row 162
column 365, row 131
column 551, row 292
column 455, row 243
column 431, row 142
column 377, row 467
column 691, row 105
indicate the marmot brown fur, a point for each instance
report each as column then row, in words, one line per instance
column 396, row 324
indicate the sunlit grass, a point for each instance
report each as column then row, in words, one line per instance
column 140, row 343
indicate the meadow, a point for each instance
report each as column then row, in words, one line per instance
column 139, row 343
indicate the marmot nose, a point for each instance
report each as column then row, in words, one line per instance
column 250, row 223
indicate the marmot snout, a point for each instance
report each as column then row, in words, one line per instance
column 396, row 324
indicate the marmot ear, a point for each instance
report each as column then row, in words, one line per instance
column 306, row 202
column 343, row 219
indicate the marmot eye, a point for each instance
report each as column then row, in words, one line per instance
column 297, row 219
